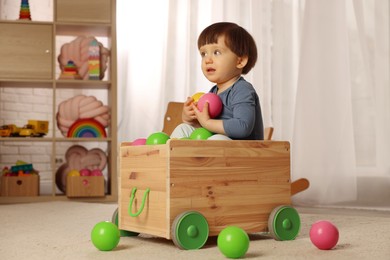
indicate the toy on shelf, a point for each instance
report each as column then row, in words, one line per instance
column 20, row 179
column 78, row 158
column 9, row 130
column 24, row 13
column 87, row 127
column 82, row 107
column 94, row 61
column 33, row 128
column 20, row 168
column 70, row 71
column 83, row 52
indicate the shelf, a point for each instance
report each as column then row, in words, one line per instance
column 80, row 29
column 26, row 139
column 57, row 197
column 96, row 11
column 25, row 22
column 85, row 84
column 77, row 139
column 25, row 83
column 30, row 88
column 52, row 139
column 61, row 84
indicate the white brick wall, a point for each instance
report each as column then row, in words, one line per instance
column 17, row 105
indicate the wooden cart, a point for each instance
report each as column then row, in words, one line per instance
column 188, row 190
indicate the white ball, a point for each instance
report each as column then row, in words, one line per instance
column 218, row 137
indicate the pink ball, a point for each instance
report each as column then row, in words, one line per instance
column 139, row 141
column 215, row 104
column 324, row 235
column 85, row 172
column 96, row 172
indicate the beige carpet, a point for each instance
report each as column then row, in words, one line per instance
column 61, row 230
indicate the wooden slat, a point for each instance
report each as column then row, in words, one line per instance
column 144, row 167
column 230, row 183
column 152, row 219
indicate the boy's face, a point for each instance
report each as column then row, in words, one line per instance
column 219, row 64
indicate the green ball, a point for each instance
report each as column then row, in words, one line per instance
column 200, row 134
column 233, row 242
column 157, row 138
column 105, row 236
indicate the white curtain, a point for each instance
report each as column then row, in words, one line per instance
column 322, row 77
column 323, row 145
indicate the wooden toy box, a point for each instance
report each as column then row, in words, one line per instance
column 84, row 186
column 20, row 186
column 229, row 182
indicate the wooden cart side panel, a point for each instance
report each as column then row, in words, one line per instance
column 238, row 183
column 144, row 167
column 189, row 147
column 151, row 220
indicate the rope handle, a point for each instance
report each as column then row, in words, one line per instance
column 142, row 204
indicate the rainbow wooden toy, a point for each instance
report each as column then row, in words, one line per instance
column 70, row 71
column 94, row 61
column 87, row 128
column 24, row 13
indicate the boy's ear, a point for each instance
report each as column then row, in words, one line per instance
column 241, row 62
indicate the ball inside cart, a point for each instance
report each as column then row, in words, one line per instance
column 200, row 134
column 218, row 137
column 157, row 138
column 324, row 235
column 139, row 141
column 105, row 236
column 233, row 242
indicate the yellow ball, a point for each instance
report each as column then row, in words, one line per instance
column 197, row 96
column 74, row 173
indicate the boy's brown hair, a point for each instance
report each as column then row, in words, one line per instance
column 236, row 38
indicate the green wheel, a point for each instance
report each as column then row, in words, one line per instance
column 190, row 230
column 124, row 233
column 284, row 223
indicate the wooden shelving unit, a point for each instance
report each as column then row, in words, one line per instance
column 30, row 46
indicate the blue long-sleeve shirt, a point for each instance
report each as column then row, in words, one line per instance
column 241, row 112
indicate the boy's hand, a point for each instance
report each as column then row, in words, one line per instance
column 203, row 116
column 204, row 119
column 188, row 114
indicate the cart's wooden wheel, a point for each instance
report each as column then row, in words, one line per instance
column 284, row 223
column 124, row 233
column 190, row 230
